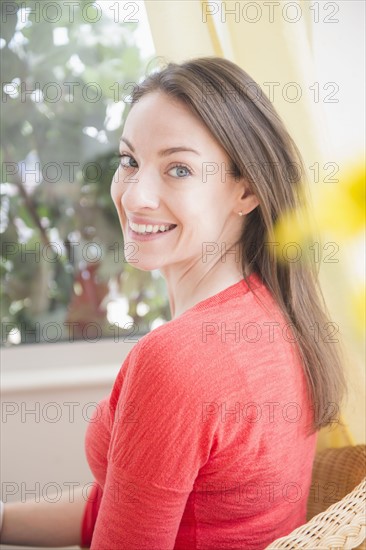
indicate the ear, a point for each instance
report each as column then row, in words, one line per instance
column 247, row 200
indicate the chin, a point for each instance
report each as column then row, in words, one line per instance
column 145, row 265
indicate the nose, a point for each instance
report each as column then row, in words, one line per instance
column 139, row 191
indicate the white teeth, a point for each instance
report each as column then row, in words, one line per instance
column 143, row 229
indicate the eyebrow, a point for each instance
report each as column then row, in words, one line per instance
column 164, row 152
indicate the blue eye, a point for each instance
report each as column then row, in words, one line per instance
column 125, row 161
column 181, row 171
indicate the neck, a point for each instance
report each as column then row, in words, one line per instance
column 189, row 285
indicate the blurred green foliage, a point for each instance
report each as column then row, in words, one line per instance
column 64, row 93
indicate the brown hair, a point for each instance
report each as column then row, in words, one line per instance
column 240, row 116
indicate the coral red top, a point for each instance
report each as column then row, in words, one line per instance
column 202, row 442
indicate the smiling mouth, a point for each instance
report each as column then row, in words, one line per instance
column 149, row 229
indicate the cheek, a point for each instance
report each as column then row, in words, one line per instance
column 116, row 188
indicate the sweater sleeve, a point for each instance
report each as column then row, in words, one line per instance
column 90, row 515
column 158, row 445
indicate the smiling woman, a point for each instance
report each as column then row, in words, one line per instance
column 208, row 436
column 209, row 433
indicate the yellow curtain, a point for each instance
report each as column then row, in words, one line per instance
column 278, row 55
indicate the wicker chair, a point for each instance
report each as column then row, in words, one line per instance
column 336, row 513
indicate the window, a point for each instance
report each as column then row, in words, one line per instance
column 68, row 70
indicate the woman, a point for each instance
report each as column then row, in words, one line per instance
column 208, row 436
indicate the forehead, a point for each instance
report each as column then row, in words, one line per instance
column 158, row 104
column 156, row 117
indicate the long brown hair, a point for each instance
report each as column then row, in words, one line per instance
column 242, row 119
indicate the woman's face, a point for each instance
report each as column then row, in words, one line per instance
column 173, row 177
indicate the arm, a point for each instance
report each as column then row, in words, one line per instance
column 158, row 445
column 44, row 524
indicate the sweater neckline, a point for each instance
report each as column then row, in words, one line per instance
column 233, row 291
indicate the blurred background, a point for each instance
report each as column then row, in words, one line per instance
column 66, row 86
column 68, row 70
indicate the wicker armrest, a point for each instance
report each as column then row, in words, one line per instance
column 341, row 526
column 336, row 472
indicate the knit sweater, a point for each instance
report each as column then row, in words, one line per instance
column 202, row 443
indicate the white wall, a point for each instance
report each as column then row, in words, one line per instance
column 339, row 56
column 42, row 452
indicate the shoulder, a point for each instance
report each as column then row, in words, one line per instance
column 208, row 330
column 171, row 336
column 169, row 352
column 203, row 345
